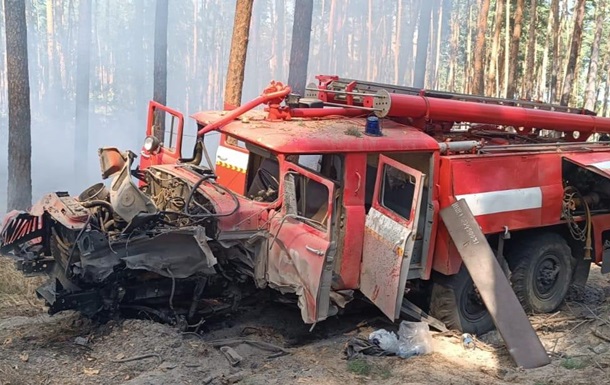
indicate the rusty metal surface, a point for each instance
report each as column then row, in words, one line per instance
column 389, row 240
column 382, row 260
column 508, row 315
column 327, row 135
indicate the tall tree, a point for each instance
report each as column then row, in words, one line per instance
column 494, row 54
column 514, row 51
column 81, row 126
column 478, row 86
column 369, row 41
column 556, row 60
column 505, row 78
column 52, row 91
column 19, row 119
column 299, row 51
column 237, row 57
column 160, row 66
column 530, row 73
column 397, row 40
column 423, row 36
column 542, row 83
column 590, row 94
column 568, row 82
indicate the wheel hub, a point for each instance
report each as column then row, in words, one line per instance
column 547, row 273
column 474, row 308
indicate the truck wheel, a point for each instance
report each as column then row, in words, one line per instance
column 541, row 271
column 457, row 303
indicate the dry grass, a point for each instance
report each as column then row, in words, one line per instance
column 17, row 293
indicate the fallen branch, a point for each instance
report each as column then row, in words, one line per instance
column 136, row 358
column 554, row 320
column 600, row 335
column 257, row 344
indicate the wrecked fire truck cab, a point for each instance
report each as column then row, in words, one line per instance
column 327, row 197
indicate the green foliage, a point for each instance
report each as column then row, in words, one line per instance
column 574, row 363
column 366, row 367
column 359, row 366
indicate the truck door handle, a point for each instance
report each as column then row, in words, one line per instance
column 222, row 158
column 315, row 251
column 397, row 245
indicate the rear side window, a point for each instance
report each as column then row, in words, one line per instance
column 397, row 191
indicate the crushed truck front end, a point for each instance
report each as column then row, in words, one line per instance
column 152, row 250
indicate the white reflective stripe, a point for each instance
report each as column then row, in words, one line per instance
column 492, row 202
column 601, row 165
column 233, row 157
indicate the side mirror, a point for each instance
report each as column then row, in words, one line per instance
column 111, row 161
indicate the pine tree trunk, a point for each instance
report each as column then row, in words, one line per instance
column 281, row 37
column 160, row 65
column 492, row 80
column 453, row 50
column 506, row 51
column 607, row 91
column 555, row 65
column 81, row 127
column 590, row 96
column 423, row 35
column 369, row 42
column 299, row 52
column 467, row 81
column 514, row 51
column 407, row 51
column 51, row 55
column 478, row 85
column 397, row 40
column 442, row 15
column 568, row 82
column 530, row 72
column 331, row 33
column 19, row 119
column 542, row 85
column 237, row 57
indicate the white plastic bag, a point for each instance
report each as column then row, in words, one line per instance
column 414, row 339
column 388, row 341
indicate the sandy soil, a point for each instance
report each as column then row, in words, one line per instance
column 69, row 349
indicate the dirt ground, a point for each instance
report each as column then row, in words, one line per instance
column 70, row 349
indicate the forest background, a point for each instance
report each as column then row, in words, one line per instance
column 546, row 50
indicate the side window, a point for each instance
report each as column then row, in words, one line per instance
column 167, row 127
column 328, row 165
column 312, row 162
column 310, row 199
column 397, row 191
column 263, row 184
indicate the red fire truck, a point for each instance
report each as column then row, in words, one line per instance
column 327, row 198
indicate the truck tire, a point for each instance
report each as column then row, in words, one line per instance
column 541, row 271
column 456, row 302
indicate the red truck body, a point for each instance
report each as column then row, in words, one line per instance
column 332, row 206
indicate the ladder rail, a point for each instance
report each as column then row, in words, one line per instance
column 336, row 85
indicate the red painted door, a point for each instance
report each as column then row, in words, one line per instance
column 389, row 236
column 170, row 148
column 301, row 247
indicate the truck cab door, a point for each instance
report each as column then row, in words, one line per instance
column 168, row 148
column 390, row 231
column 302, row 247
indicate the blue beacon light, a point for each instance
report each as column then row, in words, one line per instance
column 372, row 126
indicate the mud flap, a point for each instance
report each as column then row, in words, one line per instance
column 509, row 317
